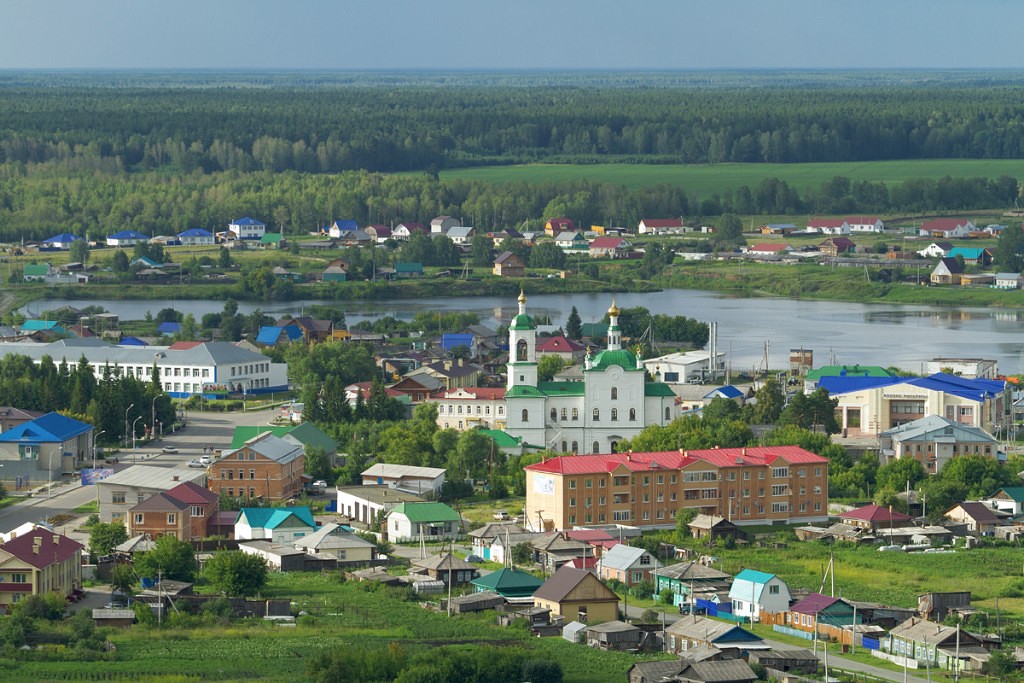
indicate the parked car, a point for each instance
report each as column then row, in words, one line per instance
column 195, row 463
column 114, row 605
column 476, row 559
column 206, row 460
column 169, row 449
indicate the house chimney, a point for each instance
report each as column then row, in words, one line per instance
column 174, row 478
column 447, row 365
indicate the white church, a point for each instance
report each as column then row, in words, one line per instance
column 613, row 402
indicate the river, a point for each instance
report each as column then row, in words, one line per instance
column 846, row 333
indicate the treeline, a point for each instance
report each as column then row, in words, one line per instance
column 36, row 203
column 412, row 127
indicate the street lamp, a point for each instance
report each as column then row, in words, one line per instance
column 95, row 438
column 127, row 410
column 152, row 421
column 133, row 434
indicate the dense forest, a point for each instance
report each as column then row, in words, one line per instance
column 93, row 154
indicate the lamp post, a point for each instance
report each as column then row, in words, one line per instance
column 127, row 410
column 95, row 438
column 152, row 420
column 135, row 455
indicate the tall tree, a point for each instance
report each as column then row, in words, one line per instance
column 574, row 325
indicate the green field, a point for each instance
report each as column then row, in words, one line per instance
column 705, row 180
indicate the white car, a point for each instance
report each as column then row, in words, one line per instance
column 195, row 463
column 206, row 460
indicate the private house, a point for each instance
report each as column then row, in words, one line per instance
column 979, row 518
column 865, row 224
column 247, row 229
column 683, row 367
column 419, row 387
column 12, row 417
column 933, row 440
column 272, row 335
column 977, row 279
column 195, row 237
column 36, row 272
column 828, row 226
column 806, row 614
column 972, row 256
column 482, row 537
column 266, row 468
column 37, row 563
column 687, row 580
column 748, row 485
column 871, row 405
column 442, row 224
column 452, row 374
column 503, row 543
column 273, row 240
column 693, row 670
column 123, row 490
column 279, row 525
column 627, row 564
column 936, row 249
column 947, row 228
column 769, row 249
column 419, row 480
column 971, row 368
column 555, row 226
column 334, row 541
column 930, row 643
column 412, row 521
column 185, row 368
column 1007, row 281
column 610, row 247
column 616, row 635
column 694, row 632
column 834, row 246
column 446, row 568
column 183, row 512
column 461, row 235
column 314, row 330
column 947, row 272
column 278, row 556
column 126, row 238
column 508, row 264
column 280, row 273
column 510, row 583
column 661, row 226
column 1009, row 499
column 46, row 448
column 367, row 504
column 406, row 230
column 778, row 229
column 61, row 242
column 472, row 407
column 754, row 593
column 355, row 238
column 872, row 517
column 507, row 235
column 408, row 269
column 341, row 228
column 714, row 527
column 559, row 345
column 577, row 594
column 572, row 242
column 334, row 274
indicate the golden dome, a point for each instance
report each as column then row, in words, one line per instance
column 614, row 310
column 522, row 297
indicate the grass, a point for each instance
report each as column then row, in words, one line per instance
column 87, row 508
column 705, row 180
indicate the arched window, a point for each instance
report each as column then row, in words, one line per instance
column 554, row 415
column 632, row 414
column 615, row 393
column 526, row 415
column 597, row 414
column 575, row 447
column 615, row 446
column 563, row 447
column 597, row 447
column 575, row 413
column 565, row 414
column 668, row 413
column 521, row 349
column 615, row 414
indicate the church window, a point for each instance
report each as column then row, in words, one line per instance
column 575, row 413
column 615, row 393
column 554, row 415
column 668, row 413
column 526, row 415
column 615, row 414
column 597, row 416
column 521, row 350
column 615, row 446
column 575, row 447
column 597, row 447
column 632, row 414
column 563, row 447
column 565, row 414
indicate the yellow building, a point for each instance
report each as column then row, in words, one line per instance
column 577, row 594
column 37, row 563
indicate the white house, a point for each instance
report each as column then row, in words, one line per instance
column 332, row 540
column 753, row 593
column 406, row 230
column 936, row 250
column 342, row 228
column 280, row 525
column 865, row 224
column 431, row 521
column 126, row 238
column 657, row 226
column 62, row 241
column 367, row 504
column 627, row 564
column 689, row 366
column 247, row 228
column 196, row 236
column 418, row 480
column 442, row 224
column 1007, row 281
column 469, row 407
column 947, row 228
column 460, row 234
column 828, row 226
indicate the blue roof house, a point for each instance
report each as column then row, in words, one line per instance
column 753, row 593
column 280, row 525
column 451, row 341
column 126, row 238
column 194, row 236
column 340, row 228
column 272, row 335
column 247, row 228
column 61, row 242
column 46, row 448
column 168, row 328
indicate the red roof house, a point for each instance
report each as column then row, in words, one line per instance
column 560, row 345
column 872, row 517
column 39, row 562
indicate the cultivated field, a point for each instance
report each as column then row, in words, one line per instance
column 705, row 180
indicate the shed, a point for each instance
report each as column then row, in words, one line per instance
column 574, row 631
column 614, row 635
column 475, row 602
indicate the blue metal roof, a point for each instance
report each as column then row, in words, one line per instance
column 63, row 237
column 271, row 518
column 451, row 340
column 754, row 576
column 169, row 328
column 131, row 341
column 728, row 391
column 195, row 232
column 268, row 334
column 246, row 221
column 972, row 389
column 128, row 235
column 345, row 225
column 37, row 325
column 50, row 428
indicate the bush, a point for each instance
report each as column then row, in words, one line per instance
column 541, row 671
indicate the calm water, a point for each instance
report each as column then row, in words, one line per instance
column 848, row 333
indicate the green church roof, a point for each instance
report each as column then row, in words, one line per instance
column 658, row 389
column 621, row 357
column 522, row 322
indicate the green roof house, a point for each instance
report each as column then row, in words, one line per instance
column 272, row 240
column 36, row 271
column 411, row 521
column 508, row 583
column 1008, row 499
column 306, row 435
column 405, row 269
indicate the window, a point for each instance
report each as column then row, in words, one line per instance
column 597, row 447
column 660, row 479
column 668, row 413
column 572, row 483
column 645, row 559
column 196, row 511
column 252, row 473
column 802, row 472
column 597, row 417
column 572, row 519
column 600, row 501
column 780, row 472
column 615, row 414
column 620, row 515
column 780, row 490
column 172, row 518
column 588, row 483
column 231, row 474
column 526, row 415
column 817, row 490
column 554, row 415
column 19, row 578
column 576, row 448
column 565, row 414
column 773, row 589
column 564, row 447
column 780, row 507
column 575, row 413
column 572, row 502
column 615, row 393
column 117, row 497
column 600, row 485
column 231, row 493
column 28, row 452
column 139, row 517
column 632, row 414
column 588, row 501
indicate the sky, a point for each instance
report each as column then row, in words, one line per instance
column 513, row 35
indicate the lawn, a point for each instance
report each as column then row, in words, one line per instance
column 707, row 179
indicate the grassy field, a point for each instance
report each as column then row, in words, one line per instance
column 707, row 179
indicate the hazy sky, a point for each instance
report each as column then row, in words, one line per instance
column 515, row 34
